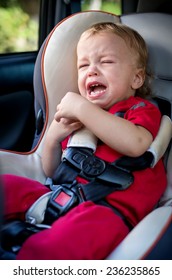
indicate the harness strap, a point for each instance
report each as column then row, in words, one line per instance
column 81, row 162
column 135, row 164
column 65, row 197
column 104, row 178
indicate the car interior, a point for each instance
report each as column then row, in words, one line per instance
column 55, row 74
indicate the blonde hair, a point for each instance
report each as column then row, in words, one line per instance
column 137, row 45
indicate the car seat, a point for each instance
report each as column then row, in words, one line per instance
column 54, row 75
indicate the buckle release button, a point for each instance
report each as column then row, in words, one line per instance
column 62, row 198
column 93, row 166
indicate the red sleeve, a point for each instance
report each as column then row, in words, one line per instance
column 145, row 114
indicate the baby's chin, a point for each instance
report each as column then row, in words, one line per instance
column 100, row 104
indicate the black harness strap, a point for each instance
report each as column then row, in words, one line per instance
column 135, row 164
column 81, row 162
column 103, row 179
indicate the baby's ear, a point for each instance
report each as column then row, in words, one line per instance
column 138, row 79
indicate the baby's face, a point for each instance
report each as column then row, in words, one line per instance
column 106, row 69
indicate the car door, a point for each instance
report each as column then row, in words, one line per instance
column 23, row 27
column 17, row 59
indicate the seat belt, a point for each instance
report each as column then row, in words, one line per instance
column 83, row 163
column 103, row 179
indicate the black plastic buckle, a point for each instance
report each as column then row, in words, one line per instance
column 62, row 200
column 93, row 166
column 89, row 165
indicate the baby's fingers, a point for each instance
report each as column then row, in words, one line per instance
column 76, row 125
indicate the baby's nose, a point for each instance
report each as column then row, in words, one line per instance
column 92, row 71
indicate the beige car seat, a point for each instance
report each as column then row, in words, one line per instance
column 55, row 74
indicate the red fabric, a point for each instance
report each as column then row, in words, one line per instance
column 92, row 231
column 20, row 193
column 88, row 231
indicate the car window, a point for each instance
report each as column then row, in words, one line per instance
column 19, row 25
column 103, row 5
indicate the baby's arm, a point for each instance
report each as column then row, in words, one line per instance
column 57, row 132
column 118, row 133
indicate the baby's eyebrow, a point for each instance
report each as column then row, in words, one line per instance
column 109, row 54
column 81, row 60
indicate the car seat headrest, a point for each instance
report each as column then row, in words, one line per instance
column 155, row 29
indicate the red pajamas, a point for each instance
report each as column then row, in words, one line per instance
column 86, row 232
column 91, row 231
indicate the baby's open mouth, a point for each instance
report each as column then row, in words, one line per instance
column 96, row 89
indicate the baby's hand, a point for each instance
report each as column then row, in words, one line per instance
column 70, row 125
column 68, row 107
column 58, row 131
